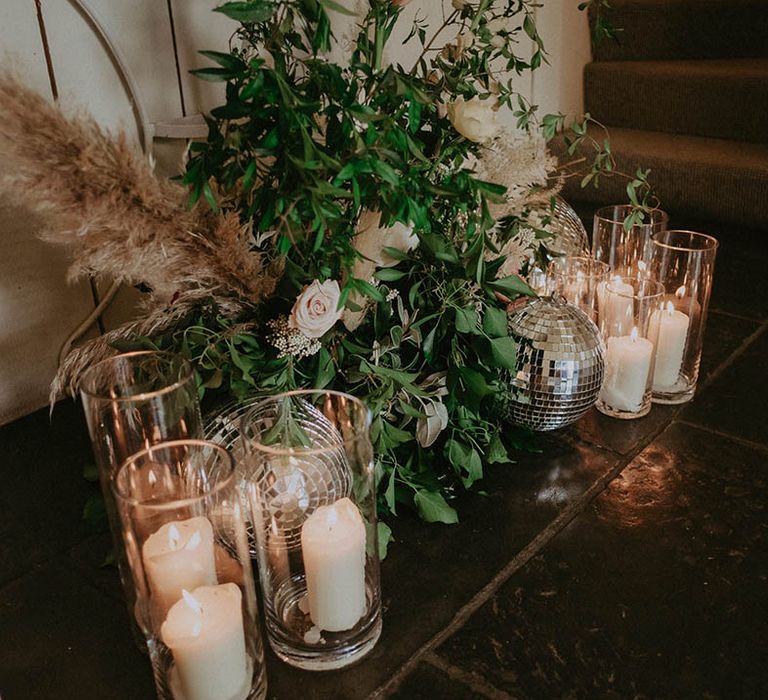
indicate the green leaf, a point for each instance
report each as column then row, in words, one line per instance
column 467, row 321
column 385, row 537
column 248, row 12
column 504, row 352
column 474, row 382
column 512, row 285
column 213, row 75
column 388, row 274
column 389, row 494
column 326, row 370
column 332, row 5
column 368, row 289
column 433, row 507
column 395, row 253
column 495, row 322
column 225, row 60
column 497, row 453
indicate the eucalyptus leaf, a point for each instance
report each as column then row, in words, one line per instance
column 433, row 507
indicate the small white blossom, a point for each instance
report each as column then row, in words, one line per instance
column 517, row 250
column 291, row 342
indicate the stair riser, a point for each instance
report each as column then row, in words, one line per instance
column 721, row 106
column 684, row 30
column 730, row 188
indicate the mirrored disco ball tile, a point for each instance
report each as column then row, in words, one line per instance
column 559, row 367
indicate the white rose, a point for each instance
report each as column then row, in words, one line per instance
column 475, row 119
column 316, row 308
column 500, row 25
column 371, row 239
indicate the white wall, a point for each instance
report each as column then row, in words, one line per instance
column 37, row 308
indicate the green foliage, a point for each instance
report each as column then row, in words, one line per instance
column 300, row 149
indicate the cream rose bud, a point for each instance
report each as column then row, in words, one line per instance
column 474, row 119
column 316, row 309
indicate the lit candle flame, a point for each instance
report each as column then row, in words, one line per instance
column 670, row 308
column 193, row 542
column 680, row 293
column 152, row 478
column 194, row 605
column 173, row 537
column 634, row 334
column 193, row 602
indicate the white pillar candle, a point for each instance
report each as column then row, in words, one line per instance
column 670, row 328
column 204, row 631
column 616, row 305
column 333, row 548
column 627, row 364
column 178, row 556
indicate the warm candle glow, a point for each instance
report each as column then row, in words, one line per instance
column 194, row 542
column 191, row 601
column 670, row 308
column 680, row 293
column 173, row 537
column 633, row 334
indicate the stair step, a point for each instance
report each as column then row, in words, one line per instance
column 685, row 29
column 693, row 176
column 726, row 98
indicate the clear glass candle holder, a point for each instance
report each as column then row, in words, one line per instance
column 184, row 529
column 578, row 280
column 627, row 309
column 310, row 477
column 684, row 262
column 132, row 401
column 624, row 250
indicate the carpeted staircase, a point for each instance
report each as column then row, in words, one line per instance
column 685, row 93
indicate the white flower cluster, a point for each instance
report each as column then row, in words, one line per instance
column 517, row 250
column 520, row 162
column 291, row 342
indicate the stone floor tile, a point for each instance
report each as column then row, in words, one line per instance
column 659, row 589
column 62, row 639
column 722, row 336
column 622, row 436
column 737, row 400
column 429, row 683
column 433, row 570
column 43, row 492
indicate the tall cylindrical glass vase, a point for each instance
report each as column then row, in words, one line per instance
column 309, row 472
column 684, row 262
column 186, row 545
column 132, row 401
column 622, row 248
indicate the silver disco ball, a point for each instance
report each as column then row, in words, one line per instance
column 559, row 366
column 569, row 237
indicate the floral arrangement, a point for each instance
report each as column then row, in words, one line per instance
column 349, row 223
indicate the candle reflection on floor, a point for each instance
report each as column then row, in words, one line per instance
column 634, row 497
